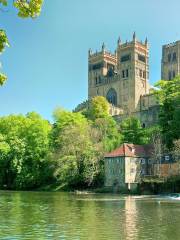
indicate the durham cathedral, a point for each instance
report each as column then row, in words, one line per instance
column 122, row 78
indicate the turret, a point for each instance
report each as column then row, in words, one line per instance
column 103, row 47
column 119, row 41
column 146, row 41
column 134, row 36
column 90, row 52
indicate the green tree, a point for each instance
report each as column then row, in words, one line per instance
column 98, row 108
column 169, row 117
column 77, row 152
column 24, row 145
column 98, row 113
column 26, row 8
column 110, row 136
column 64, row 119
column 132, row 131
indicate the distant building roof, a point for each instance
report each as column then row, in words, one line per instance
column 131, row 150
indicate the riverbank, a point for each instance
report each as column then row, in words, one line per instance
column 172, row 185
column 142, row 189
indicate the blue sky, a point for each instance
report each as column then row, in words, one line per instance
column 47, row 61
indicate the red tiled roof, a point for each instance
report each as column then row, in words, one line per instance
column 131, row 150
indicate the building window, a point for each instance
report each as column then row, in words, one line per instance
column 166, row 157
column 127, row 73
column 143, row 102
column 97, row 66
column 123, row 73
column 112, row 96
column 143, row 161
column 141, row 58
column 140, row 72
column 174, row 74
column 126, row 58
column 150, row 161
column 143, row 172
column 169, row 75
column 144, row 74
column 132, row 170
column 174, row 57
column 169, row 57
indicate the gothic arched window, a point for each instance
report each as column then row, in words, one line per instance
column 112, row 96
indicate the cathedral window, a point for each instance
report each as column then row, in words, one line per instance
column 126, row 58
column 174, row 74
column 174, row 57
column 140, row 72
column 169, row 75
column 127, row 73
column 112, row 96
column 110, row 72
column 90, row 67
column 169, row 57
column 141, row 58
column 97, row 66
column 144, row 74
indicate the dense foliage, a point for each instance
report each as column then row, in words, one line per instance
column 70, row 151
column 24, row 145
column 169, row 117
column 77, row 152
column 133, row 132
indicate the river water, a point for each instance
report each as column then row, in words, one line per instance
column 48, row 215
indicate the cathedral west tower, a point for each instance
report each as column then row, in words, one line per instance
column 122, row 77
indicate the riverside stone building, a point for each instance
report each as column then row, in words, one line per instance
column 126, row 165
column 123, row 79
column 130, row 164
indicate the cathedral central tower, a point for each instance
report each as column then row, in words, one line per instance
column 122, row 77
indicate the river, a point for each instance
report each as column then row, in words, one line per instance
column 55, row 215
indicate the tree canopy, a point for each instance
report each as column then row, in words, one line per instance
column 132, row 131
column 77, row 151
column 169, row 116
column 98, row 108
column 24, row 145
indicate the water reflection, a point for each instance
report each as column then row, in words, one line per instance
column 34, row 215
column 131, row 219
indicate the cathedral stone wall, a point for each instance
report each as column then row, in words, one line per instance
column 170, row 63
